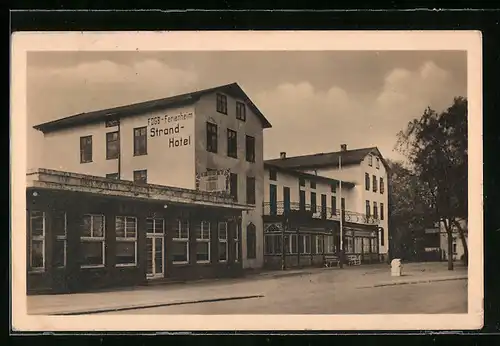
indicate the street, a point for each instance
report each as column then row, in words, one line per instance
column 321, row 298
column 423, row 288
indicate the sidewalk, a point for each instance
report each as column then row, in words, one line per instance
column 252, row 286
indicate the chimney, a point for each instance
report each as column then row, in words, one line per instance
column 343, row 147
column 283, row 155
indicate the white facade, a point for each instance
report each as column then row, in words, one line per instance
column 355, row 197
column 176, row 152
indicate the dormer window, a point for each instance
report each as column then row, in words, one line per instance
column 370, row 160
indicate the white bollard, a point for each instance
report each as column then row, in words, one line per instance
column 396, row 267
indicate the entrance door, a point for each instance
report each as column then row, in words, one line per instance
column 155, row 249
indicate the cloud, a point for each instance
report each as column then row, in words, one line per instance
column 306, row 120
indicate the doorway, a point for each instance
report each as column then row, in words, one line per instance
column 155, row 248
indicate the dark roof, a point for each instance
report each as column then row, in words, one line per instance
column 307, row 175
column 232, row 89
column 349, row 157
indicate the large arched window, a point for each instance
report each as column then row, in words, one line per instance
column 251, row 241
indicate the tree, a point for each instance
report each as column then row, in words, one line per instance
column 409, row 211
column 436, row 148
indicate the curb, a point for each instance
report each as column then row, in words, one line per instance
column 147, row 306
column 413, row 282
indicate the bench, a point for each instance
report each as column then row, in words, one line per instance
column 353, row 260
column 331, row 261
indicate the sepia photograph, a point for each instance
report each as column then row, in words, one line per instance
column 255, row 176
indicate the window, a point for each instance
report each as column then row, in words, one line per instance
column 454, row 248
column 273, row 244
column 140, row 141
column 374, row 245
column 333, row 188
column 370, row 160
column 381, row 211
column 367, row 182
column 236, row 242
column 382, row 185
column 334, row 205
column 314, row 244
column 211, row 137
column 251, row 241
column 180, row 242
column 273, row 175
column 342, row 203
column 307, row 243
column 233, row 185
column 382, row 236
column 59, row 227
column 250, row 190
column 302, row 200
column 92, row 241
column 319, row 244
column 350, row 245
column 37, row 241
column 273, row 199
column 374, row 183
column 222, row 103
column 126, row 241
column 375, row 210
column 202, row 232
column 367, row 208
column 112, row 176
column 155, row 226
column 313, row 184
column 250, row 148
column 286, row 198
column 112, row 145
column 293, row 246
column 313, row 202
column 329, row 245
column 141, row 176
column 241, row 111
column 232, row 144
column 366, row 245
column 377, row 163
column 222, row 241
column 85, row 149
column 301, row 243
column 302, row 182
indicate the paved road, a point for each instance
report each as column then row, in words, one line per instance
column 317, row 297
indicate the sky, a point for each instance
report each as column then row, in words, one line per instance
column 315, row 100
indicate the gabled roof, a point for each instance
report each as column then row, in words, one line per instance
column 232, row 89
column 349, row 157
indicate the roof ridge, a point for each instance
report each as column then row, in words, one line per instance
column 318, row 154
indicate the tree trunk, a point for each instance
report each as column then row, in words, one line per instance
column 449, row 234
column 461, row 233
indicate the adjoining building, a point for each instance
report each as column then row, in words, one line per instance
column 457, row 245
column 209, row 140
column 86, row 232
column 351, row 187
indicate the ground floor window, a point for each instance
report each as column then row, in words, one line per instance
column 329, row 244
column 180, row 242
column 222, row 235
column 202, row 231
column 59, row 227
column 366, row 245
column 374, row 245
column 314, row 244
column 273, row 244
column 37, row 241
column 126, row 241
column 92, row 241
column 293, row 244
column 319, row 243
column 236, row 243
column 350, row 245
column 307, row 244
column 358, row 245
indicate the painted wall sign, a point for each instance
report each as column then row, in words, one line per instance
column 173, row 127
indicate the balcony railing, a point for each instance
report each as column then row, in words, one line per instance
column 317, row 212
